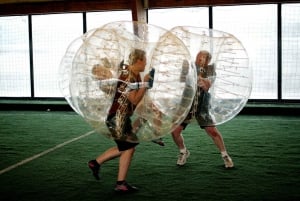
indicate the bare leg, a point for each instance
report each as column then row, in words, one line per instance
column 179, row 141
column 178, row 138
column 215, row 134
column 109, row 154
column 124, row 163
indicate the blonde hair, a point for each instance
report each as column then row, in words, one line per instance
column 135, row 55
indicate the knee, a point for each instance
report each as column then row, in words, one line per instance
column 177, row 131
column 213, row 132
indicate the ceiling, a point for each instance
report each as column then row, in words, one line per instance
column 25, row 1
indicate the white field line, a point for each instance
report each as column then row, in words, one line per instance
column 27, row 160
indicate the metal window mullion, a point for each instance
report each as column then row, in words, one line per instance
column 210, row 17
column 84, row 22
column 31, row 56
column 279, row 52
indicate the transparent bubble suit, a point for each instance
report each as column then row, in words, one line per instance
column 232, row 82
column 164, row 105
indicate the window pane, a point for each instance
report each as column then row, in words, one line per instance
column 168, row 18
column 290, row 51
column 14, row 57
column 52, row 34
column 256, row 27
column 97, row 19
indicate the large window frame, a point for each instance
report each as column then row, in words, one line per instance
column 279, row 98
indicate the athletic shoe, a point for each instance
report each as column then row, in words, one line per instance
column 125, row 188
column 159, row 141
column 182, row 158
column 95, row 167
column 228, row 161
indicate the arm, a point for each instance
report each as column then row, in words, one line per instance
column 135, row 96
column 206, row 82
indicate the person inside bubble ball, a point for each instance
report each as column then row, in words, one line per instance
column 119, row 122
column 138, row 122
column 200, row 110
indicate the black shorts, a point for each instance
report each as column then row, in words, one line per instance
column 124, row 145
column 185, row 124
column 202, row 114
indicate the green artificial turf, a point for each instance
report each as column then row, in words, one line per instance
column 265, row 150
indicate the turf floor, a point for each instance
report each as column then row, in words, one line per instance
column 44, row 155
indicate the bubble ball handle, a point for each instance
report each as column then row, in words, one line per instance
column 151, row 73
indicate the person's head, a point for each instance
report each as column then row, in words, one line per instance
column 137, row 59
column 203, row 58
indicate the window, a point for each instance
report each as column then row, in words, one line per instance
column 97, row 19
column 290, row 51
column 14, row 57
column 168, row 18
column 256, row 27
column 51, row 35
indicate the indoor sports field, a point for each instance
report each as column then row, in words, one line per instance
column 61, row 62
column 44, row 156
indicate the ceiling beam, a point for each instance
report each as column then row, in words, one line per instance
column 23, row 7
column 188, row 3
column 62, row 6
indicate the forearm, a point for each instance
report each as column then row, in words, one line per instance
column 204, row 83
column 135, row 96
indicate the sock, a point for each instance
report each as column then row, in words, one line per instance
column 224, row 153
column 182, row 150
column 120, row 182
column 96, row 163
